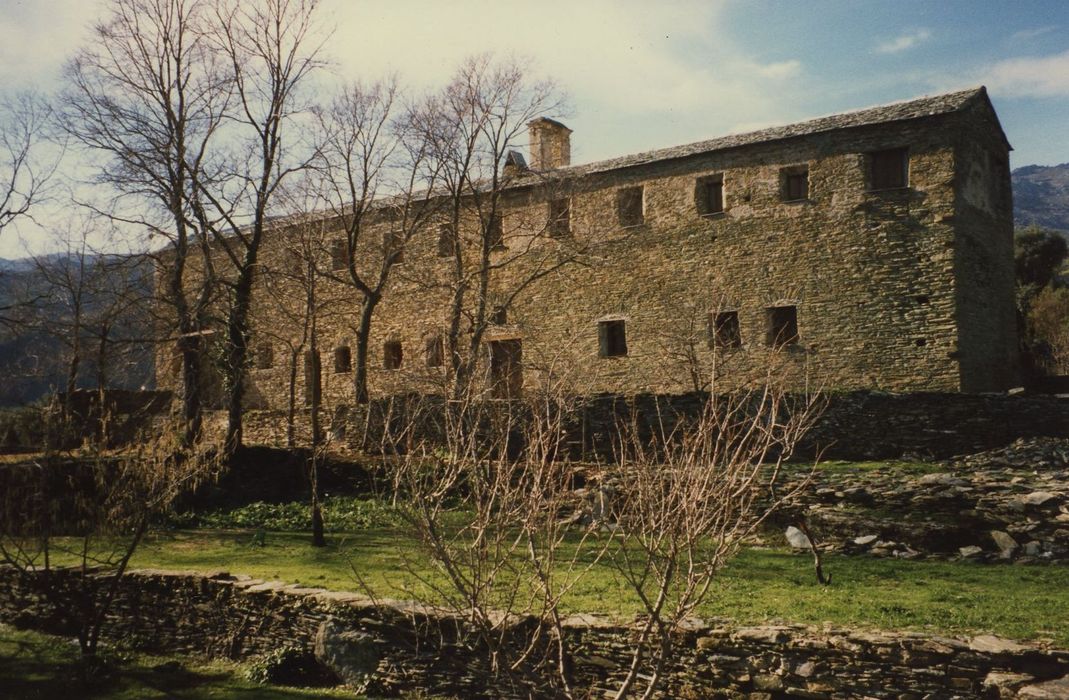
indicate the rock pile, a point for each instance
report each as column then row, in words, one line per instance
column 1008, row 504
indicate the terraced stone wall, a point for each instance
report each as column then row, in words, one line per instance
column 412, row 649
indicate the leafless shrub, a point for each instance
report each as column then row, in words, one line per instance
column 90, row 513
column 487, row 502
column 684, row 508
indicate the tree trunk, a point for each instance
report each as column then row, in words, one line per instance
column 191, row 390
column 237, row 352
column 363, row 340
column 291, row 408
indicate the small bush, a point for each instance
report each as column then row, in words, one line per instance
column 288, row 665
column 340, row 514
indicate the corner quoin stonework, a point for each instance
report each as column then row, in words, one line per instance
column 897, row 289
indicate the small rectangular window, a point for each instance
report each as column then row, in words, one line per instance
column 710, row 195
column 499, row 316
column 724, row 330
column 339, row 254
column 560, row 217
column 392, row 354
column 612, row 338
column 629, row 211
column 264, row 356
column 435, row 351
column 795, row 184
column 889, row 169
column 782, row 323
column 447, row 241
column 393, row 245
column 343, row 360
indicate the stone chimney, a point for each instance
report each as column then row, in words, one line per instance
column 551, row 145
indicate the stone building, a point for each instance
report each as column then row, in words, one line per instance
column 871, row 249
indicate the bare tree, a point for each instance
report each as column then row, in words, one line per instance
column 377, row 180
column 270, row 51
column 71, row 527
column 685, row 504
column 147, row 98
column 489, row 514
column 295, row 286
column 94, row 304
column 470, row 127
column 25, row 167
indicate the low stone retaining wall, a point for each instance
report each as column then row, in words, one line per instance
column 859, row 425
column 239, row 617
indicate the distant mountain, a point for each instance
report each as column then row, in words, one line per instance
column 1041, row 196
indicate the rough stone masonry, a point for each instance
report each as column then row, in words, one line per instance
column 865, row 250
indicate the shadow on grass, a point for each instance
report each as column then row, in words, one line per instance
column 40, row 667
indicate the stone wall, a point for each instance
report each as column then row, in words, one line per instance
column 411, row 648
column 857, row 425
column 898, row 289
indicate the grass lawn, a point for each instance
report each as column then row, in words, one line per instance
column 41, row 667
column 761, row 585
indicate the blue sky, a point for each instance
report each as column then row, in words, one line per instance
column 644, row 74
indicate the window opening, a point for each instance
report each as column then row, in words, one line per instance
column 343, row 359
column 392, row 354
column 711, row 195
column 560, row 215
column 889, row 169
column 629, row 206
column 725, row 330
column 782, row 325
column 612, row 338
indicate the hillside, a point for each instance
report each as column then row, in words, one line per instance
column 1041, row 196
column 33, row 357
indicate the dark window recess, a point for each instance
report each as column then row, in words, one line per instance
column 393, row 244
column 560, row 217
column 264, row 356
column 922, row 299
column 435, row 351
column 724, row 330
column 339, row 255
column 629, row 206
column 392, row 354
column 343, row 359
column 495, row 232
column 297, row 264
column 711, row 196
column 506, row 368
column 921, row 342
column 782, row 325
column 499, row 316
column 612, row 339
column 447, row 241
column 889, row 169
column 795, row 185
column 313, row 371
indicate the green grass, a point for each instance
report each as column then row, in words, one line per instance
column 761, row 585
column 41, row 667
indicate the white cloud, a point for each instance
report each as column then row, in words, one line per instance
column 1038, row 76
column 641, row 74
column 1027, row 34
column 904, row 41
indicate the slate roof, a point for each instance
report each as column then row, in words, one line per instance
column 893, row 112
